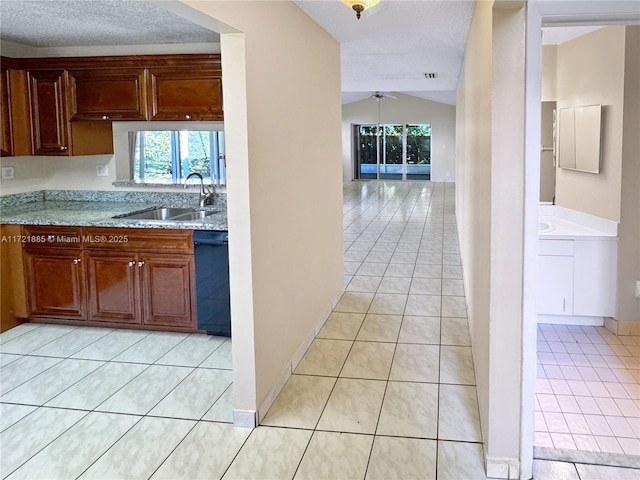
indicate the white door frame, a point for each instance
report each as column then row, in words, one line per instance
column 546, row 13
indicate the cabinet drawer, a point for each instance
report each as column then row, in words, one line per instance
column 562, row 248
column 37, row 237
column 139, row 239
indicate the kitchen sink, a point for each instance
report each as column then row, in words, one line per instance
column 166, row 213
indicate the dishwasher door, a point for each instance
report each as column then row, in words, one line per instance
column 212, row 282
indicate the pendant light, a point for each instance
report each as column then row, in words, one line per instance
column 360, row 5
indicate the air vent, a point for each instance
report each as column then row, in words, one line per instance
column 430, row 75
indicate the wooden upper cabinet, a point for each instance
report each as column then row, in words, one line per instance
column 186, row 93
column 49, row 132
column 6, row 140
column 101, row 94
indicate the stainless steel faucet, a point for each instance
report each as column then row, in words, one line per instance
column 206, row 192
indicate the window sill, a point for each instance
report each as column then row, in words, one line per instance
column 171, row 186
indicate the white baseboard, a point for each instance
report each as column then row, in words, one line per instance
column 506, row 468
column 244, row 418
column 571, row 320
column 622, row 328
column 273, row 394
column 288, row 370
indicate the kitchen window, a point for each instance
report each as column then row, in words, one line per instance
column 169, row 156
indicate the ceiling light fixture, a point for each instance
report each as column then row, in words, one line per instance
column 360, row 5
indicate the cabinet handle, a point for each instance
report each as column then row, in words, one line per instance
column 105, row 117
column 63, row 148
column 76, row 261
column 140, row 264
column 564, row 304
column 131, row 264
column 187, row 116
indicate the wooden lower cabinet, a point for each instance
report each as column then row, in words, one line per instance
column 106, row 284
column 113, row 287
column 55, row 284
column 167, row 290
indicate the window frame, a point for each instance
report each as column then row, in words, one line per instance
column 123, row 145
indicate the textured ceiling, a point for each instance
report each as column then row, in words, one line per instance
column 395, row 43
column 88, row 23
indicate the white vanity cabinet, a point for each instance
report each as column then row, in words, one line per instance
column 555, row 277
column 577, row 280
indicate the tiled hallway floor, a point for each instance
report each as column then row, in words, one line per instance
column 588, row 390
column 386, row 391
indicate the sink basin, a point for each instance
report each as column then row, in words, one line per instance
column 545, row 227
column 166, row 213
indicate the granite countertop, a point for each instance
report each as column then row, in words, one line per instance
column 100, row 214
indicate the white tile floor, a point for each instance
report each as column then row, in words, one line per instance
column 387, row 390
column 588, row 390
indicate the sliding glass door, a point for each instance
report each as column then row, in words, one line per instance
column 418, row 152
column 392, row 152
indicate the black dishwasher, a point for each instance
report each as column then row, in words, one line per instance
column 212, row 282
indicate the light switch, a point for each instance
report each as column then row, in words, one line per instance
column 8, row 173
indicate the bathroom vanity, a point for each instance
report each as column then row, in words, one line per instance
column 577, row 267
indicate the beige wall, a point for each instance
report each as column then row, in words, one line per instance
column 57, row 173
column 405, row 109
column 590, row 71
column 490, row 204
column 628, row 307
column 473, row 191
column 61, row 173
column 549, row 73
column 281, row 76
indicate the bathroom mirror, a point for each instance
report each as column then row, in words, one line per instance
column 579, row 131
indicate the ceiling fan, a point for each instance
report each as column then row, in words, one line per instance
column 382, row 95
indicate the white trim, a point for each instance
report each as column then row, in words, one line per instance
column 244, row 418
column 539, row 13
column 571, row 320
column 328, row 312
column 622, row 328
column 273, row 394
column 533, row 112
column 506, row 468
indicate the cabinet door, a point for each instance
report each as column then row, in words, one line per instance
column 555, row 285
column 55, row 280
column 596, row 272
column 114, row 295
column 167, row 290
column 185, row 94
column 106, row 95
column 49, row 133
column 6, row 138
